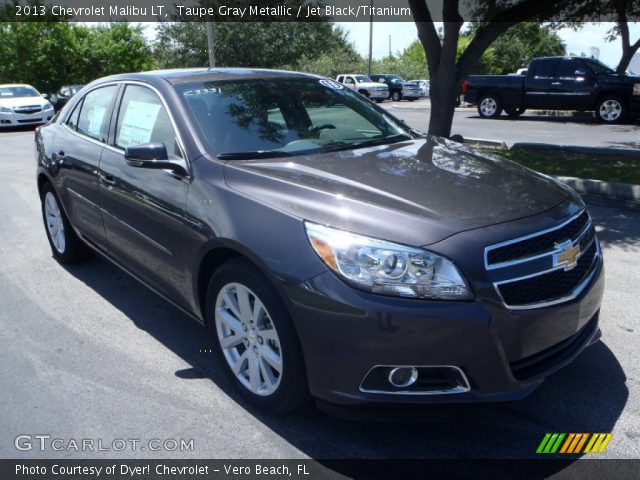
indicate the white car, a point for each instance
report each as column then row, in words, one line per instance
column 364, row 85
column 21, row 104
column 424, row 87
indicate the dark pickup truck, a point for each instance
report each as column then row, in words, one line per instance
column 557, row 83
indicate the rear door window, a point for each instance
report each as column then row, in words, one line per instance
column 94, row 115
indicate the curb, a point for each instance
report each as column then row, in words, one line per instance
column 480, row 141
column 626, row 191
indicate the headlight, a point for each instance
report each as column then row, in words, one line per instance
column 5, row 110
column 48, row 106
column 387, row 268
column 636, row 89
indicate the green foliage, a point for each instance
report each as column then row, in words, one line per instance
column 264, row 45
column 48, row 55
column 516, row 47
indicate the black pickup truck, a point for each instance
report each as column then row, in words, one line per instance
column 557, row 83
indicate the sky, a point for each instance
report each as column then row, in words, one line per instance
column 403, row 33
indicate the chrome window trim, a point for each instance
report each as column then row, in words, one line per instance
column 115, row 149
column 454, row 390
column 527, row 237
column 547, row 303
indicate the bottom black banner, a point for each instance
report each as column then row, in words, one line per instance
column 316, row 469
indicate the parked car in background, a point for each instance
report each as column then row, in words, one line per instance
column 365, row 86
column 558, row 83
column 63, row 95
column 424, row 86
column 331, row 251
column 398, row 88
column 21, row 104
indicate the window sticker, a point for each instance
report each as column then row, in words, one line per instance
column 138, row 123
column 95, row 117
column 331, row 84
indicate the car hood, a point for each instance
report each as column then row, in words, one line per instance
column 12, row 102
column 416, row 192
column 372, row 84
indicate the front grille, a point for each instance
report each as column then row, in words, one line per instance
column 545, row 242
column 31, row 120
column 27, row 110
column 541, row 363
column 553, row 285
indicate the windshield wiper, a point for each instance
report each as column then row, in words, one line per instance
column 332, row 147
column 253, row 155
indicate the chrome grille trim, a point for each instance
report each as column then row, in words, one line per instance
column 532, row 235
column 554, row 301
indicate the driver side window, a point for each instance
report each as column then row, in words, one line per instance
column 143, row 119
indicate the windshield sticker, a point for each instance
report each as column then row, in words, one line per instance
column 331, row 84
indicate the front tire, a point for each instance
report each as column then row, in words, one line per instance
column 514, row 112
column 490, row 106
column 611, row 110
column 256, row 343
column 65, row 244
column 396, row 96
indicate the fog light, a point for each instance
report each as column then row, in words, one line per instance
column 402, row 377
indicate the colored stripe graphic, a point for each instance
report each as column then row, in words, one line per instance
column 574, row 442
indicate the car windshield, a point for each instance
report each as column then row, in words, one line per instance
column 598, row 67
column 271, row 117
column 362, row 79
column 18, row 92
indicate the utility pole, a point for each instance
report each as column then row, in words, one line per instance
column 212, row 58
column 370, row 33
column 389, row 46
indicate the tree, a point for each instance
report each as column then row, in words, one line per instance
column 517, row 46
column 447, row 70
column 251, row 44
column 51, row 54
column 623, row 9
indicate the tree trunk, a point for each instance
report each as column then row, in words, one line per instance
column 628, row 51
column 443, row 93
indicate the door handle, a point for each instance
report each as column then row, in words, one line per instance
column 556, row 83
column 107, row 180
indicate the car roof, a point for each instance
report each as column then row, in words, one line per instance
column 16, row 85
column 188, row 75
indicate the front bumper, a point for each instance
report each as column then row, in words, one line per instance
column 21, row 119
column 378, row 93
column 504, row 354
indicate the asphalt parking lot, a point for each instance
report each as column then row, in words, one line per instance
column 87, row 352
column 531, row 127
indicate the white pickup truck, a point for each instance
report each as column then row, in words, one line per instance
column 365, row 86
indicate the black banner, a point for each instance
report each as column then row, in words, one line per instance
column 317, row 469
column 309, row 10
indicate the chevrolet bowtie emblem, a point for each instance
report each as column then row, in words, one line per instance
column 566, row 255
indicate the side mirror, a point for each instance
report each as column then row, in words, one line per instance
column 152, row 155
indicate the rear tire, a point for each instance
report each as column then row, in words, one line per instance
column 490, row 106
column 255, row 341
column 65, row 244
column 611, row 110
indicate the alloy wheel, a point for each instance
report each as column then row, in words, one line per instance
column 248, row 339
column 55, row 224
column 488, row 106
column 610, row 110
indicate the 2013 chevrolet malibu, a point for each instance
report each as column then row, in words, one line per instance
column 330, row 250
